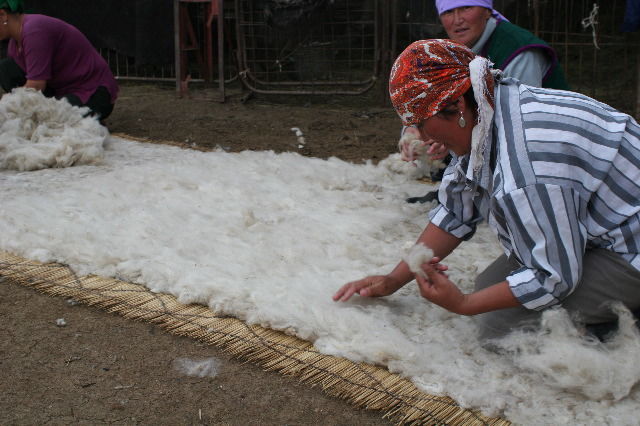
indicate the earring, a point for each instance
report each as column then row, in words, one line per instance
column 5, row 22
column 461, row 121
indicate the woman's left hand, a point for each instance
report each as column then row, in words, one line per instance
column 437, row 288
column 437, row 151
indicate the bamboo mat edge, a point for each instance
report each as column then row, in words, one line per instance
column 363, row 385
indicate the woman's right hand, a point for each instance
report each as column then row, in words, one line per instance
column 411, row 145
column 373, row 286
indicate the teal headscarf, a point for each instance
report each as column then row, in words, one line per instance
column 12, row 5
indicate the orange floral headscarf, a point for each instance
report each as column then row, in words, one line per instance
column 427, row 76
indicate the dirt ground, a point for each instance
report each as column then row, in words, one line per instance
column 354, row 128
column 103, row 369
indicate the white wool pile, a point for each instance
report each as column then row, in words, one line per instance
column 600, row 375
column 395, row 164
column 270, row 237
column 37, row 132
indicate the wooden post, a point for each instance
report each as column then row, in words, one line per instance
column 387, row 10
column 221, row 49
column 536, row 17
column 176, row 44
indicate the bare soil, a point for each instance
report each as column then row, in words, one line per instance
column 103, row 369
column 352, row 128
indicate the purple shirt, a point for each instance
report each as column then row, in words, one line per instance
column 59, row 53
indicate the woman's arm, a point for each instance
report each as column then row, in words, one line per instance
column 438, row 289
column 441, row 242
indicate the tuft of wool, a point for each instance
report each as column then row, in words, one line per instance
column 208, row 367
column 416, row 256
column 37, row 132
column 564, row 359
column 418, row 150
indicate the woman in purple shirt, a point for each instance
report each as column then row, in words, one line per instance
column 49, row 55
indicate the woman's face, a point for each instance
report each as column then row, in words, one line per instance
column 4, row 28
column 444, row 127
column 465, row 24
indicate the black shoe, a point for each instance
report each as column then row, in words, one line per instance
column 437, row 175
column 430, row 196
column 604, row 330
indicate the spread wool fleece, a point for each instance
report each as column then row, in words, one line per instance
column 270, row 237
column 37, row 132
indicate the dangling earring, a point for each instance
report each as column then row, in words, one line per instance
column 461, row 121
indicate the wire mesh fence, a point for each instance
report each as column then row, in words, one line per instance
column 599, row 59
column 346, row 46
column 327, row 47
column 125, row 68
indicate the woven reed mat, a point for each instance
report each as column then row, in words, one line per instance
column 363, row 385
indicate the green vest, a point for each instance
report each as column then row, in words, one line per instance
column 508, row 40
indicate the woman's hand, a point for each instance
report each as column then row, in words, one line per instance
column 440, row 268
column 374, row 286
column 437, row 150
column 437, row 288
column 411, row 146
column 36, row 84
column 380, row 285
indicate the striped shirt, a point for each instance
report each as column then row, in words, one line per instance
column 561, row 174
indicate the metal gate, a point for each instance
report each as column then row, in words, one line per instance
column 308, row 46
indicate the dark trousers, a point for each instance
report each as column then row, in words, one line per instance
column 12, row 76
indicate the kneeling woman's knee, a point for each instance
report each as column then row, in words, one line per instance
column 497, row 324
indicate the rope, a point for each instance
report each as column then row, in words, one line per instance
column 591, row 21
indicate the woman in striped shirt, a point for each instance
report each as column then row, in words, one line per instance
column 556, row 175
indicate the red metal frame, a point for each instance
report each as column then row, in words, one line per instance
column 186, row 40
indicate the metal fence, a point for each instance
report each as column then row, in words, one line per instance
column 599, row 59
column 124, row 67
column 346, row 46
column 321, row 47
